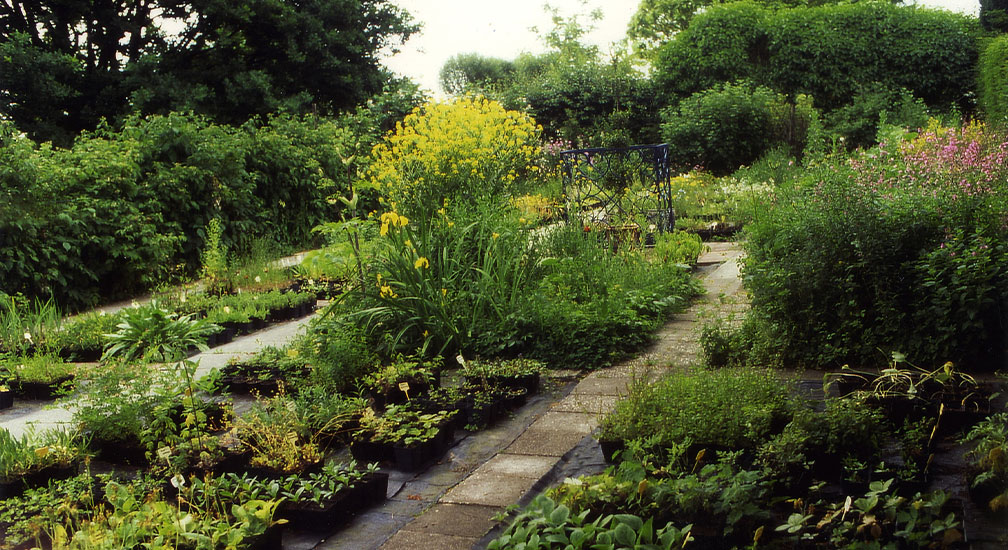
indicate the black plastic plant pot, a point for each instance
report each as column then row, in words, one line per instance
column 369, row 451
column 610, row 447
column 272, row 539
column 118, row 451
column 315, row 518
column 415, row 457
column 6, row 399
column 371, row 490
column 44, row 390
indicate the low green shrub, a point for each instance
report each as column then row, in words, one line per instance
column 338, row 352
column 739, row 409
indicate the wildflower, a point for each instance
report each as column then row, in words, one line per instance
column 495, row 236
column 27, row 336
column 386, row 292
column 258, row 279
column 421, row 262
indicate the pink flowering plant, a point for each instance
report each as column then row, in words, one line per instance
column 897, row 248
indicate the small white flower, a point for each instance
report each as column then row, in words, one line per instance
column 227, row 309
column 27, row 336
column 258, row 279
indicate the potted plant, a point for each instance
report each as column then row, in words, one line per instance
column 278, row 438
column 34, row 459
column 414, row 438
column 400, row 381
column 6, row 396
column 511, row 373
column 44, row 376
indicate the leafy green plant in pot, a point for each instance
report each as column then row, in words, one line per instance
column 398, row 382
column 35, row 458
column 152, row 334
column 42, row 376
column 512, row 373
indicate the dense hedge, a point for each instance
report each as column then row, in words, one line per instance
column 123, row 210
column 829, row 52
column 994, row 81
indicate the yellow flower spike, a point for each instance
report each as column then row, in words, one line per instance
column 495, row 236
column 421, row 263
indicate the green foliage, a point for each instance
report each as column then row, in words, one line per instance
column 988, row 458
column 229, row 61
column 740, row 409
column 994, row 15
column 678, row 247
column 870, row 110
column 732, row 125
column 338, row 352
column 898, row 249
column 827, row 52
column 993, row 81
column 33, row 451
column 150, row 333
column 474, row 73
column 544, row 524
column 124, row 211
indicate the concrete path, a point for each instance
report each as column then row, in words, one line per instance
column 41, row 415
column 461, row 517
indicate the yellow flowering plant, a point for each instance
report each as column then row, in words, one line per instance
column 439, row 279
column 465, row 150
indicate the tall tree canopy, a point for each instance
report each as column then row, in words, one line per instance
column 66, row 64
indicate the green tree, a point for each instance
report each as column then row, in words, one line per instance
column 994, row 15
column 66, row 65
column 472, row 72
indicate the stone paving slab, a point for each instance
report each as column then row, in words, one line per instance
column 544, row 443
column 459, row 520
column 561, row 421
column 412, row 540
column 489, row 489
column 525, row 466
column 604, row 384
column 586, row 403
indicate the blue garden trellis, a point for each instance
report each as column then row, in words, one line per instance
column 622, row 187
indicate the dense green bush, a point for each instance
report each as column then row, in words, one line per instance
column 898, row 249
column 732, row 125
column 859, row 121
column 993, row 83
column 124, row 210
column 740, row 409
column 828, row 52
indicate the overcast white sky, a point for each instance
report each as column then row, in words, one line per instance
column 500, row 28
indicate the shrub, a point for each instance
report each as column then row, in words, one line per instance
column 870, row 109
column 464, row 151
column 739, row 408
column 826, row 52
column 729, row 126
column 993, row 81
column 125, row 210
column 338, row 353
column 898, row 249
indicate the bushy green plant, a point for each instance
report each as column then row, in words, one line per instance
column 34, row 451
column 40, row 369
column 896, row 249
column 988, row 456
column 993, row 76
column 871, row 110
column 548, row 525
column 731, row 125
column 339, row 353
column 150, row 333
column 678, row 247
column 740, row 408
